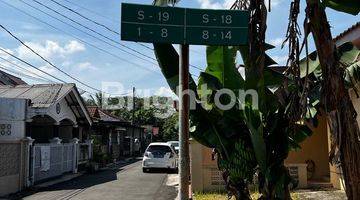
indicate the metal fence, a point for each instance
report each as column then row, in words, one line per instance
column 62, row 158
column 84, row 153
column 11, row 167
column 10, row 159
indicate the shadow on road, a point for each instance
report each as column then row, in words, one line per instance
column 79, row 183
column 160, row 171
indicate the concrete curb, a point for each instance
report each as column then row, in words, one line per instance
column 69, row 177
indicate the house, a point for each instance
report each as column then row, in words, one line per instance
column 115, row 137
column 310, row 165
column 44, row 133
column 314, row 153
column 8, row 79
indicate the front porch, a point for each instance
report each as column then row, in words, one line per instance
column 54, row 124
column 314, row 158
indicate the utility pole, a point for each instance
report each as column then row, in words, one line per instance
column 184, row 160
column 184, row 19
column 133, row 121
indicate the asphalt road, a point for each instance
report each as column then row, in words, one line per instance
column 118, row 183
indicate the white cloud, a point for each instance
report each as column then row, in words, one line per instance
column 31, row 27
column 5, row 55
column 48, row 69
column 86, row 66
column 214, row 4
column 274, row 3
column 50, row 49
column 281, row 60
column 165, row 92
column 74, row 46
column 226, row 4
column 277, row 41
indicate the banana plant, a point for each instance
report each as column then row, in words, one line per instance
column 347, row 6
column 235, row 133
column 246, row 138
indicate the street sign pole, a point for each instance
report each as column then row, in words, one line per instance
column 184, row 165
column 184, row 26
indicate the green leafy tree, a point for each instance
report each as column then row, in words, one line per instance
column 260, row 139
column 335, row 76
column 96, row 100
column 169, row 129
column 248, row 138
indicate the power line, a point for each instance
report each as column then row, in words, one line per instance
column 94, row 12
column 109, row 29
column 71, row 35
column 47, row 61
column 94, row 46
column 18, row 73
column 98, row 14
column 92, row 30
column 23, row 68
column 23, row 61
column 29, row 64
column 37, row 78
column 113, row 20
column 79, row 14
column 51, row 64
column 104, row 41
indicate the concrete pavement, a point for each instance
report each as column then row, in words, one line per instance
column 120, row 183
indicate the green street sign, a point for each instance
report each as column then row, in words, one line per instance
column 154, row 24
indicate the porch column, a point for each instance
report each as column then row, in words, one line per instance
column 75, row 131
column 118, row 137
column 28, row 128
column 56, row 130
column 29, row 161
column 109, row 143
column 132, row 142
column 75, row 141
column 90, row 143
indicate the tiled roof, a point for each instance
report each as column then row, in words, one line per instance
column 102, row 115
column 45, row 95
column 93, row 111
column 41, row 95
column 8, row 79
column 341, row 35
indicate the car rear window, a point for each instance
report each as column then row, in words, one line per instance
column 155, row 148
column 175, row 144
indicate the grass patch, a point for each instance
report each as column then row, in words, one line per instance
column 217, row 196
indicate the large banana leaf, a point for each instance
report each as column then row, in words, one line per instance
column 168, row 60
column 253, row 121
column 352, row 74
column 348, row 57
column 222, row 65
column 347, row 6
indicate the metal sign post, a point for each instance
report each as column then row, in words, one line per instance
column 184, row 161
column 153, row 24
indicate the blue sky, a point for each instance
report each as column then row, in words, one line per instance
column 94, row 67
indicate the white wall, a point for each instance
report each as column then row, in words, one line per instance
column 65, row 112
column 12, row 118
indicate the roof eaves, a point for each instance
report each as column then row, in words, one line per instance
column 341, row 35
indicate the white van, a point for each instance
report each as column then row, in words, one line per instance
column 159, row 156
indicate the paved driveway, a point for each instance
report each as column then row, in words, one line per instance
column 118, row 183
